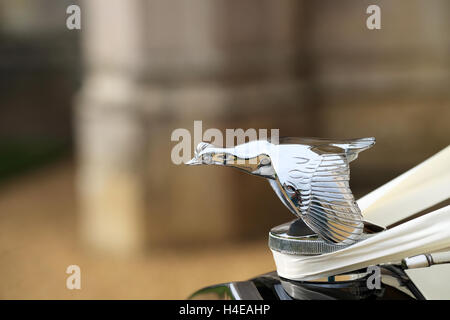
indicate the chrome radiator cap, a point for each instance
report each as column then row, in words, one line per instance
column 296, row 238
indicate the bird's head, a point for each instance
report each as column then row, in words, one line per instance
column 252, row 157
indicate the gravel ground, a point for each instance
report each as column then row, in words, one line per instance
column 38, row 240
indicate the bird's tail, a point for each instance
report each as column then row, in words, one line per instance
column 355, row 146
column 358, row 145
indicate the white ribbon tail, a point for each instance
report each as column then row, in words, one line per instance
column 425, row 234
column 417, row 189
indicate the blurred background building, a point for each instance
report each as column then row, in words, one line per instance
column 86, row 118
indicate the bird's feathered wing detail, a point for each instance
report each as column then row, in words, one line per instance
column 310, row 176
column 326, row 202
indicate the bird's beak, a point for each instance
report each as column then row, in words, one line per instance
column 193, row 162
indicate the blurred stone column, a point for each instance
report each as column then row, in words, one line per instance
column 155, row 66
column 111, row 131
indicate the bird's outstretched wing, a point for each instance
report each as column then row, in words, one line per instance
column 328, row 206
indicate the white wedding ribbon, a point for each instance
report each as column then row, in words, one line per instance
column 429, row 233
column 413, row 191
column 419, row 188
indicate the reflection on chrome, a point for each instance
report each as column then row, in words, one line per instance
column 310, row 176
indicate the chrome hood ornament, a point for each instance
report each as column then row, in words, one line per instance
column 309, row 175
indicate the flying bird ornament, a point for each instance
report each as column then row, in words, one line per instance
column 309, row 175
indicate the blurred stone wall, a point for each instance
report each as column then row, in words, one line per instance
column 39, row 75
column 391, row 83
column 308, row 68
column 149, row 67
column 39, row 70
